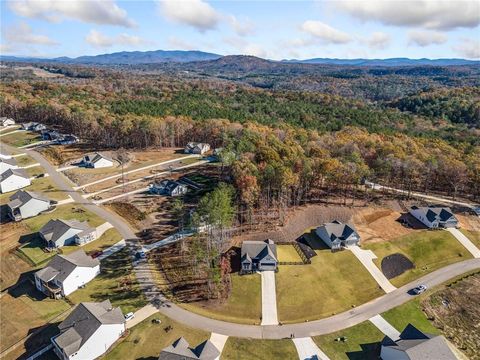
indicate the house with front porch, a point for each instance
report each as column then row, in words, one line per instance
column 57, row 233
column 258, row 256
column 337, row 235
column 66, row 273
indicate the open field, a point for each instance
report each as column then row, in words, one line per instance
column 363, row 343
column 23, row 310
column 147, row 339
column 21, row 138
column 473, row 236
column 332, row 283
column 246, row 349
column 287, row 253
column 428, row 250
column 116, row 282
column 244, row 305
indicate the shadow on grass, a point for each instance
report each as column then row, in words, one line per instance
column 30, row 240
column 369, row 352
column 40, row 339
column 24, row 287
column 4, row 218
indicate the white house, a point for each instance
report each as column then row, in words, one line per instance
column 97, row 161
column 57, row 233
column 66, row 273
column 168, row 187
column 196, row 148
column 6, row 164
column 13, row 179
column 89, row 331
column 337, row 235
column 434, row 216
column 25, row 204
column 4, row 121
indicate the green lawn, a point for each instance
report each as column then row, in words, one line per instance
column 332, row 283
column 33, row 250
column 24, row 160
column 287, row 253
column 428, row 250
column 146, row 340
column 116, row 282
column 247, row 349
column 410, row 312
column 109, row 237
column 46, row 308
column 473, row 236
column 363, row 343
column 46, row 187
column 244, row 304
column 21, row 138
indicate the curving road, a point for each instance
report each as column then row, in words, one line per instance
column 306, row 329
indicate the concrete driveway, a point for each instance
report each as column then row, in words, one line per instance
column 269, row 298
column 219, row 341
column 308, row 350
column 385, row 327
column 366, row 258
column 465, row 242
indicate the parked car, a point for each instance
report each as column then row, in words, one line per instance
column 419, row 289
column 129, row 316
column 140, row 254
column 97, row 254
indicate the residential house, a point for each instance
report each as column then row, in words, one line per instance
column 13, row 179
column 67, row 140
column 196, row 148
column 25, row 204
column 4, row 121
column 89, row 331
column 66, row 273
column 168, row 187
column 181, row 350
column 50, row 135
column 57, row 233
column 337, row 234
column 6, row 164
column 434, row 216
column 97, row 161
column 258, row 256
column 416, row 345
column 33, row 126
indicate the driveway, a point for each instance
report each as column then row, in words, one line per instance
column 385, row 327
column 269, row 298
column 366, row 258
column 112, row 249
column 141, row 314
column 307, row 349
column 465, row 242
column 219, row 341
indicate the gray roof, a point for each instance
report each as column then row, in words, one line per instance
column 338, row 230
column 168, row 185
column 258, row 250
column 83, row 322
column 21, row 197
column 55, row 228
column 436, row 212
column 61, row 266
column 19, row 172
column 96, row 157
column 181, row 350
column 420, row 346
column 10, row 161
column 192, row 145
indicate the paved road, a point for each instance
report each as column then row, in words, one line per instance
column 307, row 329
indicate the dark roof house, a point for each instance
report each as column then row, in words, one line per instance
column 258, row 256
column 435, row 216
column 168, row 187
column 181, row 350
column 337, row 234
column 59, row 232
column 24, row 204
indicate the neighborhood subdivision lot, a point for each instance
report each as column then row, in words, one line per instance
column 21, row 138
column 246, row 349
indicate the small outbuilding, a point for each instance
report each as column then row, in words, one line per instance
column 13, row 179
column 337, row 234
column 26, row 204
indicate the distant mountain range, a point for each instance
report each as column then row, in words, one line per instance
column 179, row 56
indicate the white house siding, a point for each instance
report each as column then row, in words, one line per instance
column 33, row 208
column 4, row 167
column 86, row 239
column 68, row 238
column 80, row 276
column 102, row 163
column 13, row 183
column 99, row 342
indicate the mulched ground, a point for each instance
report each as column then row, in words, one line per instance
column 395, row 265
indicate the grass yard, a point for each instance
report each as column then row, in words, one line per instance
column 116, row 282
column 332, row 283
column 46, row 187
column 108, row 238
column 238, row 308
column 473, row 236
column 287, row 253
column 246, row 349
column 21, row 138
column 363, row 343
column 428, row 250
column 23, row 310
column 410, row 312
column 24, row 160
column 146, row 340
column 35, row 171
column 33, row 250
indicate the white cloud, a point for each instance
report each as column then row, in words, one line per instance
column 426, row 37
column 325, row 33
column 23, row 34
column 243, row 27
column 430, row 14
column 99, row 40
column 195, row 13
column 180, row 44
column 243, row 47
column 379, row 41
column 102, row 12
column 468, row 48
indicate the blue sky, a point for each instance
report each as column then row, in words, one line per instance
column 270, row 29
